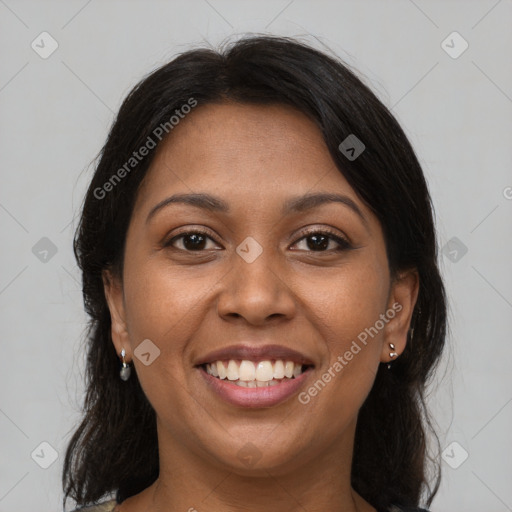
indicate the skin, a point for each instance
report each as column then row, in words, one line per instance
column 191, row 302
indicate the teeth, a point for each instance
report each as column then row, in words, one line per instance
column 288, row 369
column 247, row 370
column 278, row 369
column 264, row 371
column 257, row 383
column 221, row 370
column 249, row 374
column 232, row 371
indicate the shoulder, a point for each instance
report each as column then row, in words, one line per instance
column 104, row 506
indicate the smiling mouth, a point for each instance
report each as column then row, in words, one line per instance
column 255, row 374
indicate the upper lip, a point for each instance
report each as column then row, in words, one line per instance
column 255, row 353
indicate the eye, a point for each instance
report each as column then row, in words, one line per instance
column 192, row 240
column 320, row 240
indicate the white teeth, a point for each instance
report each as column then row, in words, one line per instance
column 257, row 383
column 247, row 370
column 246, row 373
column 221, row 370
column 232, row 371
column 278, row 369
column 288, row 369
column 213, row 369
column 264, row 371
column 297, row 370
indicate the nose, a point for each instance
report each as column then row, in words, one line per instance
column 256, row 291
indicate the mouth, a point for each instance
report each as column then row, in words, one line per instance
column 253, row 385
column 255, row 374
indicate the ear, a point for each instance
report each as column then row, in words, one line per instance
column 114, row 294
column 402, row 299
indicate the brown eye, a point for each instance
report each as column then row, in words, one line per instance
column 192, row 241
column 319, row 241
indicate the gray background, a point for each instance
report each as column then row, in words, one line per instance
column 55, row 113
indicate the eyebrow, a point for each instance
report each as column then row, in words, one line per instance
column 295, row 204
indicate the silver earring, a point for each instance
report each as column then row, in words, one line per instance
column 392, row 354
column 125, row 369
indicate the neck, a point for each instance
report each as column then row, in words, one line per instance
column 192, row 482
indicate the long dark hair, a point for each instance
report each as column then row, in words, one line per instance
column 115, row 446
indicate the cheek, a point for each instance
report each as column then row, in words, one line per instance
column 348, row 317
column 155, row 311
column 351, row 299
column 166, row 306
column 161, row 301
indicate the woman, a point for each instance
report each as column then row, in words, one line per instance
column 259, row 258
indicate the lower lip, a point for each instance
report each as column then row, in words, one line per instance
column 254, row 397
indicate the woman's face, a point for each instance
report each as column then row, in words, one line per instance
column 310, row 280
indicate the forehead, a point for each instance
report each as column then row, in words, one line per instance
column 247, row 153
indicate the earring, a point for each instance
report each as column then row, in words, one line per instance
column 392, row 354
column 125, row 369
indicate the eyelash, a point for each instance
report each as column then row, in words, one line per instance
column 342, row 242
